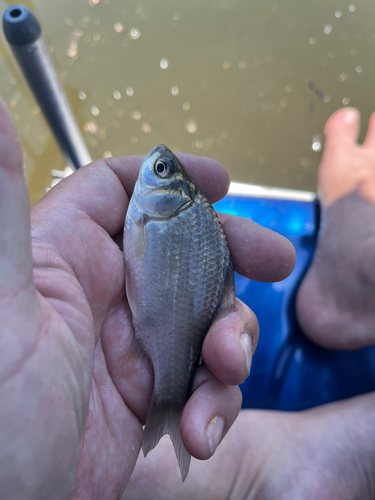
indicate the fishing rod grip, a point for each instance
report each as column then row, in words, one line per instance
column 24, row 35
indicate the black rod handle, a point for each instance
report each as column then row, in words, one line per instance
column 24, row 35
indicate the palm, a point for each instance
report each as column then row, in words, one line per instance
column 79, row 272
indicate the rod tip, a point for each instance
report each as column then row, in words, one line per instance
column 20, row 26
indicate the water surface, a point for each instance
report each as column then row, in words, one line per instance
column 250, row 83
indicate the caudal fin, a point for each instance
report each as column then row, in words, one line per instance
column 162, row 420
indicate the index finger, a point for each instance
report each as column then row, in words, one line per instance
column 101, row 192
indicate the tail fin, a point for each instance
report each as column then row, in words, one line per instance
column 162, row 420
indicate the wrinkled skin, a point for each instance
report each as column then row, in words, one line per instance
column 73, row 393
column 327, row 453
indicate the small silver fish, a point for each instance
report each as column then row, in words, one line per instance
column 179, row 276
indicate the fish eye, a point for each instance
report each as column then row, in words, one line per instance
column 161, row 168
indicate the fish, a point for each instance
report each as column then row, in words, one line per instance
column 317, row 91
column 179, row 278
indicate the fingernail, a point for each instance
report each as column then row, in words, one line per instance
column 246, row 346
column 214, row 432
column 350, row 116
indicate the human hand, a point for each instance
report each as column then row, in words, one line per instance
column 73, row 393
column 326, row 453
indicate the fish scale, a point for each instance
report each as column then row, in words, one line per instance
column 179, row 275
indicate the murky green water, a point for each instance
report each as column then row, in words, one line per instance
column 248, row 82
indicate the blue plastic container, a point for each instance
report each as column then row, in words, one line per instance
column 289, row 372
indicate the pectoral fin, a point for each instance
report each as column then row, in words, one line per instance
column 139, row 236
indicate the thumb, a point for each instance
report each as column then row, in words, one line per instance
column 15, row 248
